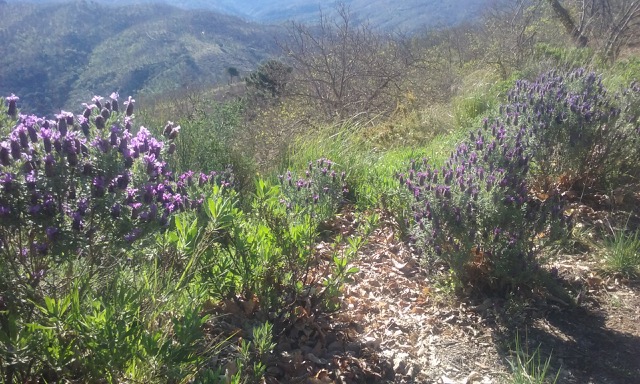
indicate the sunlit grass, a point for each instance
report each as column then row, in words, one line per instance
column 622, row 254
column 529, row 367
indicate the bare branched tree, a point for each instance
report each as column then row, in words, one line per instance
column 509, row 34
column 345, row 68
column 605, row 25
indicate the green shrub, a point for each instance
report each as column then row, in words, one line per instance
column 77, row 196
column 579, row 134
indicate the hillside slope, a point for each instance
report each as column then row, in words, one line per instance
column 55, row 55
column 406, row 15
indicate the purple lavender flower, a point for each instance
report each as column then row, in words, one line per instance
column 84, row 125
column 99, row 122
column 116, row 210
column 72, row 159
column 7, row 182
column 88, row 108
column 83, row 206
column 149, row 194
column 164, row 220
column 122, row 181
column 133, row 235
column 49, row 163
column 204, row 179
column 154, row 146
column 129, row 103
column 20, row 132
column 151, row 164
column 13, row 109
column 63, row 121
column 76, row 221
column 97, row 100
column 34, row 209
column 47, row 135
column 167, row 128
column 41, row 248
column 98, row 184
column 114, row 101
column 87, row 169
column 102, row 144
column 33, row 135
column 30, row 179
column 105, row 113
column 49, row 205
column 14, row 145
column 5, row 149
column 153, row 212
column 113, row 137
column 135, row 209
column 131, row 195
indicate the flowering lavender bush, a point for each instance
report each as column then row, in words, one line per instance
column 84, row 186
column 484, row 210
column 76, row 194
column 323, row 188
column 264, row 252
column 474, row 212
column 576, row 129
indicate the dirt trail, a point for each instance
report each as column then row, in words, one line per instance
column 396, row 326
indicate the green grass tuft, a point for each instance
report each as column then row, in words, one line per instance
column 622, row 254
column 529, row 367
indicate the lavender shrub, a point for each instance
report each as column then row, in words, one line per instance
column 322, row 189
column 486, row 210
column 578, row 133
column 475, row 214
column 85, row 186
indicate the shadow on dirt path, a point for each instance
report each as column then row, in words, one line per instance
column 581, row 346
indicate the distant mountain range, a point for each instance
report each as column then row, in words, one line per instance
column 404, row 15
column 55, row 54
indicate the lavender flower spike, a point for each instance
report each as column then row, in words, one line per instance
column 13, row 109
column 129, row 104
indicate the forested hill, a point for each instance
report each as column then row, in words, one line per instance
column 405, row 15
column 56, row 55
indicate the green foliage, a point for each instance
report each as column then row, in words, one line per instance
column 269, row 80
column 73, row 201
column 251, row 363
column 114, row 333
column 467, row 109
column 528, row 367
column 264, row 252
column 622, row 73
column 622, row 254
column 562, row 57
column 210, row 133
column 481, row 90
column 207, row 141
column 341, row 258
